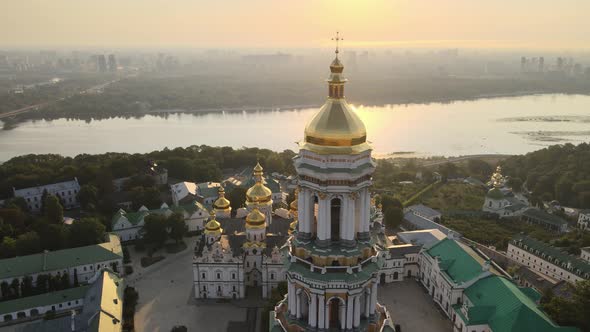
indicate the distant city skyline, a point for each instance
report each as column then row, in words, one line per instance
column 497, row 24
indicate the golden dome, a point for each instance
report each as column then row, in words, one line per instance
column 221, row 203
column 336, row 124
column 258, row 193
column 255, row 218
column 213, row 226
column 336, row 128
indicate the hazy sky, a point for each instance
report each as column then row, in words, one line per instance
column 296, row 23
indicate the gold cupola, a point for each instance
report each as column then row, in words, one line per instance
column 336, row 128
column 221, row 203
column 213, row 227
column 255, row 219
column 258, row 192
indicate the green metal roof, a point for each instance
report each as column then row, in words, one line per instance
column 501, row 305
column 552, row 254
column 29, row 302
column 135, row 217
column 61, row 259
column 455, row 261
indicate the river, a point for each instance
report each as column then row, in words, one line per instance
column 509, row 125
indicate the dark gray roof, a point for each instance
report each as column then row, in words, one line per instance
column 424, row 210
column 543, row 216
column 401, row 251
column 422, row 223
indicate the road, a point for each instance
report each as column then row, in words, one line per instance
column 36, row 107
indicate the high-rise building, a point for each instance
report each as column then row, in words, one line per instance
column 331, row 261
column 101, row 63
column 112, row 63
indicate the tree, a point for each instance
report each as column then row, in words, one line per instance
column 15, row 289
column 393, row 217
column 236, row 197
column 65, row 281
column 177, row 226
column 154, row 229
column 149, row 197
column 572, row 311
column 5, row 289
column 88, row 197
column 26, row 286
column 42, row 284
column 479, row 168
column 28, row 243
column 515, row 183
column 8, row 247
column 388, row 201
column 86, row 231
column 53, row 210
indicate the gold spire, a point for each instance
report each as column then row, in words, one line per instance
column 337, row 39
column 294, row 203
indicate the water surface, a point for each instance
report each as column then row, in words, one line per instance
column 511, row 125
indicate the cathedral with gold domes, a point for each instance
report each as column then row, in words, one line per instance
column 237, row 255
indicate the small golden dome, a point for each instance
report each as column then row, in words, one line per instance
column 221, row 203
column 255, row 218
column 294, row 204
column 213, row 226
column 258, row 193
column 258, row 168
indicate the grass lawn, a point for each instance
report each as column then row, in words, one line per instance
column 454, row 197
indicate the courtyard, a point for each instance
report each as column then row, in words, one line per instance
column 166, row 298
column 412, row 308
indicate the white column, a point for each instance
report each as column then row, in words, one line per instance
column 304, row 201
column 292, row 302
column 327, row 315
column 373, row 298
column 342, row 308
column 322, row 221
column 350, row 219
column 343, row 217
column 313, row 311
column 364, row 213
column 367, row 296
column 357, row 311
column 328, row 217
column 298, row 297
column 321, row 312
column 349, row 311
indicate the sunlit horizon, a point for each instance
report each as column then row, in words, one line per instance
column 500, row 24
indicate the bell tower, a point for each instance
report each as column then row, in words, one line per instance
column 332, row 264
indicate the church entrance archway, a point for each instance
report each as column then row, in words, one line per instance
column 335, row 219
column 334, row 310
